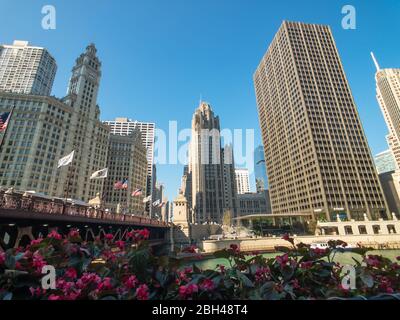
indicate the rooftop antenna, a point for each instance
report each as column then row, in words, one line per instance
column 375, row 62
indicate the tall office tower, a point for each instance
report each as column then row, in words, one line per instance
column 90, row 136
column 38, row 134
column 127, row 160
column 26, row 69
column 385, row 162
column 242, row 181
column 186, row 185
column 124, row 126
column 260, row 171
column 158, row 198
column 230, row 187
column 388, row 96
column 317, row 156
column 206, row 168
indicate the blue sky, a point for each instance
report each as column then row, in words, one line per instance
column 159, row 56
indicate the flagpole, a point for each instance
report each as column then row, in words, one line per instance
column 5, row 131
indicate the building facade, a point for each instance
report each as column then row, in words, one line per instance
column 254, row 203
column 317, row 156
column 385, row 162
column 124, row 126
column 242, row 181
column 26, row 69
column 209, row 177
column 44, row 129
column 127, row 160
column 260, row 171
column 38, row 134
column 388, row 96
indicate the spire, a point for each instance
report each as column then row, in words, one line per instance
column 375, row 62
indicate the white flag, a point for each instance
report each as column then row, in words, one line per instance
column 147, row 199
column 101, row 174
column 66, row 160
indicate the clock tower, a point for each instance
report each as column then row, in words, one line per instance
column 90, row 135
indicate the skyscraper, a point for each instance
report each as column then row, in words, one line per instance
column 126, row 160
column 125, row 126
column 212, row 183
column 388, row 96
column 90, row 136
column 385, row 162
column 242, row 181
column 260, row 171
column 317, row 156
column 26, row 69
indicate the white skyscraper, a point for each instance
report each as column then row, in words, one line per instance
column 124, row 127
column 388, row 95
column 242, row 181
column 26, row 69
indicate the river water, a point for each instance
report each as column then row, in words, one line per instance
column 343, row 258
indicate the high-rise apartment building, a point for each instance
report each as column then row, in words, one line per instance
column 260, row 171
column 385, row 162
column 44, row 129
column 317, row 156
column 26, row 69
column 213, row 183
column 242, row 181
column 388, row 96
column 125, row 126
column 127, row 160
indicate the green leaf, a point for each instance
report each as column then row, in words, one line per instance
column 367, row 279
column 244, row 279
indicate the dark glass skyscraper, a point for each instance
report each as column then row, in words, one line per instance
column 260, row 171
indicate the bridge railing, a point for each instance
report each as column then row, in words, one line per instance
column 55, row 206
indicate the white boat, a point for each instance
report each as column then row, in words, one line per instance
column 319, row 245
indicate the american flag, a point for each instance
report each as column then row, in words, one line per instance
column 137, row 193
column 118, row 185
column 125, row 184
column 4, row 118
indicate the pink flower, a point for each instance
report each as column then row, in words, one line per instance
column 120, row 244
column 130, row 235
column 71, row 273
column 207, row 285
column 145, row 234
column 54, row 235
column 286, row 237
column 221, row 268
column 372, row 261
column 142, row 293
column 36, row 292
column 2, row 258
column 319, row 251
column 73, row 233
column 54, row 297
column 38, row 261
column 282, row 260
column 234, row 248
column 105, row 284
column 188, row 290
column 262, row 274
column 131, row 282
column 36, row 241
column 108, row 236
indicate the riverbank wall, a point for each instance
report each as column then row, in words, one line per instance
column 381, row 241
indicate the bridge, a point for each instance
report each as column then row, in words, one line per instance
column 25, row 216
